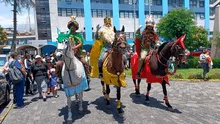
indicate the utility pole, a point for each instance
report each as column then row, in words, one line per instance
column 149, row 4
column 134, row 4
column 29, row 20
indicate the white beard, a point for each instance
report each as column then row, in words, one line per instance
column 107, row 34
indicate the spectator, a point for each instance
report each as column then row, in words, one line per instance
column 53, row 82
column 40, row 75
column 58, row 66
column 49, row 65
column 27, row 65
column 204, row 63
column 19, row 87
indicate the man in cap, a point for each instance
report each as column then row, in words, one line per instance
column 149, row 40
column 106, row 35
column 77, row 42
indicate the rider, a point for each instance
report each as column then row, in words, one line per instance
column 149, row 40
column 106, row 35
column 77, row 43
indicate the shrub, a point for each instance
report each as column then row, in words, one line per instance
column 214, row 76
column 195, row 76
column 178, row 76
column 193, row 63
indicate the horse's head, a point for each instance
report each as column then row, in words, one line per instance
column 178, row 49
column 66, row 48
column 120, row 42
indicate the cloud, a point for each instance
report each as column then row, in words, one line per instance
column 7, row 20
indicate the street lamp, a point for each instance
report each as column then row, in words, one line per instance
column 149, row 4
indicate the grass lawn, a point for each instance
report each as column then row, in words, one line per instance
column 191, row 74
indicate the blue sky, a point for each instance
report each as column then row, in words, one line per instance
column 6, row 16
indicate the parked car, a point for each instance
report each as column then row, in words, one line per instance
column 4, row 90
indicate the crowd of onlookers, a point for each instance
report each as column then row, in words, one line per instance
column 38, row 74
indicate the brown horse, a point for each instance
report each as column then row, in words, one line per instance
column 113, row 67
column 156, row 68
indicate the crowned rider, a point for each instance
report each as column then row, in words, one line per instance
column 148, row 41
column 106, row 35
column 77, row 42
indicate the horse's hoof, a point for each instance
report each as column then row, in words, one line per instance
column 170, row 109
column 69, row 121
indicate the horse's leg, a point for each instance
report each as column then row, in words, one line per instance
column 107, row 95
column 138, row 87
column 165, row 96
column 69, row 119
column 103, row 88
column 135, row 85
column 148, row 92
column 80, row 102
column 120, row 110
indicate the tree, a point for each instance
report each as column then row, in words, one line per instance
column 179, row 22
column 3, row 36
column 17, row 6
column 215, row 40
column 198, row 38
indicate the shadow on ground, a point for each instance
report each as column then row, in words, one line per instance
column 101, row 105
column 75, row 112
column 153, row 102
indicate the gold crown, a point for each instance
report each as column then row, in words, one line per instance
column 73, row 22
column 107, row 20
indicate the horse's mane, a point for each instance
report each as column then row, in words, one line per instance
column 162, row 46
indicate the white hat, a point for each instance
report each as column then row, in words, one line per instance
column 84, row 51
column 37, row 56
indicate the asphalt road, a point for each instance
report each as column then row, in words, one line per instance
column 194, row 103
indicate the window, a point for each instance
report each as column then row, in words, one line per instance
column 99, row 14
column 59, row 12
column 104, row 13
column 109, row 13
column 79, row 13
column 63, row 12
column 69, row 12
column 122, row 15
column 201, row 3
column 74, row 12
column 94, row 13
column 193, row 3
column 126, row 15
column 101, row 1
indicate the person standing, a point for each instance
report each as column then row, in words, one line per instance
column 204, row 63
column 27, row 65
column 40, row 74
column 18, row 86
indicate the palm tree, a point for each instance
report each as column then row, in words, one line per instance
column 17, row 5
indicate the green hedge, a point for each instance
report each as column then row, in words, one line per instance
column 193, row 63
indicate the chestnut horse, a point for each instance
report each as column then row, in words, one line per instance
column 156, row 65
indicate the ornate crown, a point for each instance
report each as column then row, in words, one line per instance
column 150, row 21
column 73, row 22
column 107, row 20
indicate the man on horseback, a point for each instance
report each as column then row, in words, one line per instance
column 148, row 41
column 77, row 43
column 106, row 35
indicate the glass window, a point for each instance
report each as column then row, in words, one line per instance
column 79, row 13
column 126, row 15
column 74, row 12
column 202, row 16
column 68, row 12
column 104, row 13
column 201, row 3
column 99, row 13
column 131, row 35
column 122, row 15
column 127, row 35
column 131, row 15
column 63, row 11
column 109, row 13
column 59, row 12
column 94, row 13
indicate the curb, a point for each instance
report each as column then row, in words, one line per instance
column 9, row 108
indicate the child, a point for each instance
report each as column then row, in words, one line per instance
column 53, row 82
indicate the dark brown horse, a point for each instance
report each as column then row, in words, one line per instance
column 113, row 67
column 156, row 69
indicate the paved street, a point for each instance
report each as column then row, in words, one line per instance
column 194, row 103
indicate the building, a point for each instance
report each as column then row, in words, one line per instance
column 51, row 15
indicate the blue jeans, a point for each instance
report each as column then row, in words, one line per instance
column 19, row 93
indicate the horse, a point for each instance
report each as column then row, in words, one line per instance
column 112, row 66
column 156, row 65
column 74, row 78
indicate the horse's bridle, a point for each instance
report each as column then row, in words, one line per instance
column 68, row 58
column 119, row 40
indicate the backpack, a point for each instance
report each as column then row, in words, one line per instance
column 15, row 74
